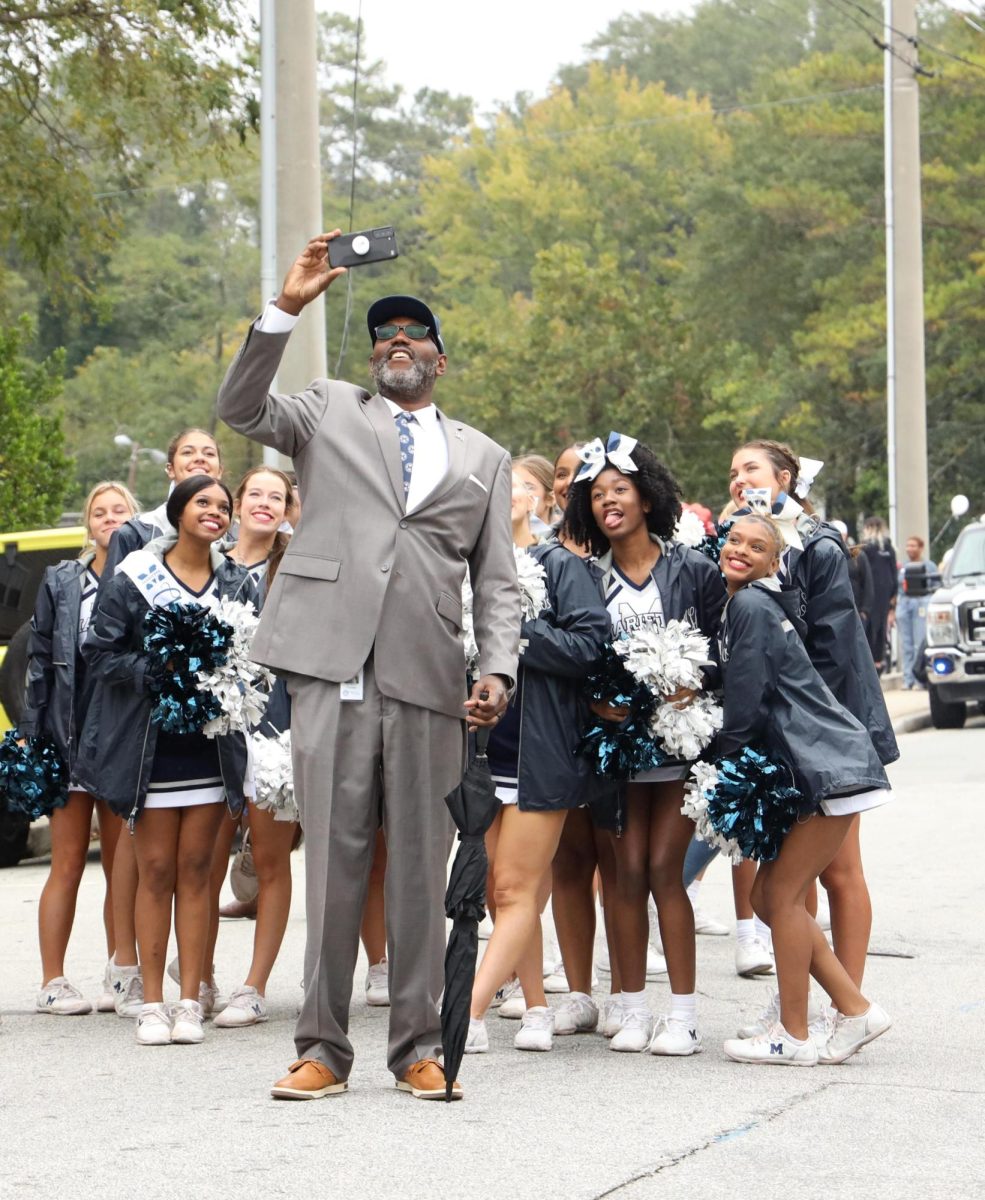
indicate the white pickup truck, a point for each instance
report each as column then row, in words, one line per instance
column 955, row 653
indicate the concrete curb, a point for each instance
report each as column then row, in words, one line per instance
column 913, row 723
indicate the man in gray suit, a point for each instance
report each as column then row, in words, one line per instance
column 365, row 619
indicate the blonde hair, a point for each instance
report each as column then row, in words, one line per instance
column 105, row 485
column 542, row 470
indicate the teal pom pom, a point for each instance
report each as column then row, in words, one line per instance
column 33, row 779
column 620, row 750
column 754, row 805
column 180, row 640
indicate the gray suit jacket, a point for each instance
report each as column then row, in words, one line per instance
column 360, row 571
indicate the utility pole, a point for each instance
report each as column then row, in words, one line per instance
column 290, row 169
column 906, row 396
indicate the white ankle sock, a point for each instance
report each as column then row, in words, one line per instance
column 745, row 931
column 692, row 892
column 762, row 931
column 476, row 1022
column 634, row 999
column 684, row 1008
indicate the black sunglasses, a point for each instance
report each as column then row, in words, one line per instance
column 416, row 333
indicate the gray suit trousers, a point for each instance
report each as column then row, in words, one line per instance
column 342, row 752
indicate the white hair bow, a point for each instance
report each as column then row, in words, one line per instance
column 616, row 452
column 810, row 468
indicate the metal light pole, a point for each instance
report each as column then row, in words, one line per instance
column 906, row 400
column 290, row 170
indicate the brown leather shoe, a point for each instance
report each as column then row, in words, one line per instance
column 239, row 908
column 307, row 1079
column 425, row 1080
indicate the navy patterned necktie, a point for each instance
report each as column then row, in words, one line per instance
column 406, row 436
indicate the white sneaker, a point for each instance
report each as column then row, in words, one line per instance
column 504, row 992
column 557, row 981
column 768, row 1016
column 153, row 1025
column 656, row 964
column 775, row 1048
column 578, row 1014
column 378, row 984
column 245, row 1007
column 128, row 986
column 612, row 1013
column 477, row 1038
column 820, row 1025
column 107, row 999
column 753, row 958
column 187, row 1019
column 634, row 1032
column 62, row 999
column 485, row 928
column 536, row 1030
column 673, row 1037
column 514, row 1004
column 208, row 994
column 708, row 925
column 852, row 1033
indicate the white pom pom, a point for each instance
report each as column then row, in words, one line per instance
column 241, row 685
column 667, row 657
column 533, row 584
column 273, row 774
column 690, row 529
column 685, row 732
column 696, row 794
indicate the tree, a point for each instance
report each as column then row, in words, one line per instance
column 91, row 94
column 33, row 468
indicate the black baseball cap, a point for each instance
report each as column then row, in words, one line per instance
column 388, row 307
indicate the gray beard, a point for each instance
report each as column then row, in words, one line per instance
column 405, row 383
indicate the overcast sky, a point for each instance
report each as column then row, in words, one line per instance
column 489, row 51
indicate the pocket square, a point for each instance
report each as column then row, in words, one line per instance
column 478, row 483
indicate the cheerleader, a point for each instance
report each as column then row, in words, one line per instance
column 56, row 698
column 815, row 561
column 193, row 451
column 537, row 774
column 170, row 787
column 624, row 505
column 263, row 501
column 774, row 696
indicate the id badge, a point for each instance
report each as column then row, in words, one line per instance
column 352, row 689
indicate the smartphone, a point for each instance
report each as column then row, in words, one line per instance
column 358, row 249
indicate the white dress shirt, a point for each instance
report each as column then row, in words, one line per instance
column 430, row 446
column 430, row 452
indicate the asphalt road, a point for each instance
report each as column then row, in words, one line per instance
column 85, row 1112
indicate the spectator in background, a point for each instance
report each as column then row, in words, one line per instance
column 917, row 579
column 537, row 475
column 860, row 574
column 879, row 550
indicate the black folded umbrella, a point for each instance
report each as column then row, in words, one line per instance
column 473, row 806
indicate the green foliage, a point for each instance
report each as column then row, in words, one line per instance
column 91, row 96
column 33, row 468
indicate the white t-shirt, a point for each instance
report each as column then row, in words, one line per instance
column 631, row 606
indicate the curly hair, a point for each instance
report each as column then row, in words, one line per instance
column 655, row 485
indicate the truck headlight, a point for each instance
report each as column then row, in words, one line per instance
column 942, row 629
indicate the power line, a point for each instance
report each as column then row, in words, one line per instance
column 915, row 40
column 915, row 67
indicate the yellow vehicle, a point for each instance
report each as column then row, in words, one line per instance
column 22, row 566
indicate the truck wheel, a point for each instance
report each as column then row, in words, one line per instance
column 13, row 837
column 944, row 714
column 13, row 673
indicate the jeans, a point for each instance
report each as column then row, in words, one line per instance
column 699, row 855
column 911, row 620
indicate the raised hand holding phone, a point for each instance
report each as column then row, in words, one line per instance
column 309, row 275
